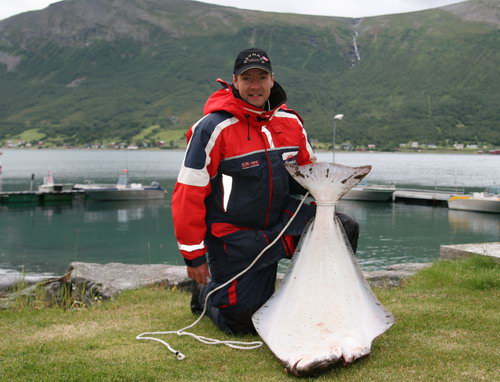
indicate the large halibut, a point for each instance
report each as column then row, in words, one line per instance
column 325, row 311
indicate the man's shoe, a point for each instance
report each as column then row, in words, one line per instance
column 196, row 307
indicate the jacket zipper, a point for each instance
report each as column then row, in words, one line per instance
column 247, row 116
column 270, row 201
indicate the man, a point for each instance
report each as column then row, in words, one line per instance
column 232, row 196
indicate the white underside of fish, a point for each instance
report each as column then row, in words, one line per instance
column 325, row 311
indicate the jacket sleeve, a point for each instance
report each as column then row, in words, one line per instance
column 306, row 153
column 200, row 164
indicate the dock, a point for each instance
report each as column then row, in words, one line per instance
column 436, row 197
column 16, row 198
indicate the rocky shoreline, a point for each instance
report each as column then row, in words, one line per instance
column 85, row 283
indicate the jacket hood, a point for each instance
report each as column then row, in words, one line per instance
column 228, row 99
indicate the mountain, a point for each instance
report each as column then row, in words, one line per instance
column 82, row 71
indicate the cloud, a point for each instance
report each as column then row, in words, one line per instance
column 13, row 7
column 344, row 8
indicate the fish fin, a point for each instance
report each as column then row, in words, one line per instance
column 327, row 182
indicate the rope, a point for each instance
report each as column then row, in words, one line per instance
column 211, row 341
column 326, row 203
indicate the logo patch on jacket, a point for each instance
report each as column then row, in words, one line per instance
column 289, row 155
column 249, row 164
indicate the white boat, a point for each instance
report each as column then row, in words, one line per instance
column 49, row 185
column 371, row 193
column 122, row 190
column 477, row 201
column 133, row 192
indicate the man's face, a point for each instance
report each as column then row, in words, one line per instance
column 254, row 86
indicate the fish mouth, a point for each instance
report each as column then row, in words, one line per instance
column 303, row 368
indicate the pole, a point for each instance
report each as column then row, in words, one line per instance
column 339, row 117
column 333, row 146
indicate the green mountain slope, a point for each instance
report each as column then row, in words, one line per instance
column 94, row 70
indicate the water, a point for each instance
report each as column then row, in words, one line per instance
column 45, row 239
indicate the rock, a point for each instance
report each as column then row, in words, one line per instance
column 13, row 280
column 390, row 277
column 458, row 251
column 411, row 268
column 86, row 282
column 52, row 290
column 107, row 280
column 394, row 274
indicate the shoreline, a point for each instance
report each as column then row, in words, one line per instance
column 109, row 280
column 391, row 274
column 90, row 282
column 317, row 150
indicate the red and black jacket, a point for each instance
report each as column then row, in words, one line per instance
column 232, row 180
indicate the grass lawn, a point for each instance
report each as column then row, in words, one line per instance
column 447, row 329
column 31, row 135
column 156, row 133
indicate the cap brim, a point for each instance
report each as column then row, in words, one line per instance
column 253, row 66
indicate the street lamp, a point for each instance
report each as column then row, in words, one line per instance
column 339, row 117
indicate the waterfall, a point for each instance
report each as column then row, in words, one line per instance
column 356, row 52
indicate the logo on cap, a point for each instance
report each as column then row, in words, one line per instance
column 255, row 57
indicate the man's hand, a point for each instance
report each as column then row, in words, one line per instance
column 199, row 274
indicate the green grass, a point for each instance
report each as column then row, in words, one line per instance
column 447, row 320
column 156, row 133
column 31, row 135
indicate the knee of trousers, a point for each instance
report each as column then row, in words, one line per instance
column 349, row 223
column 238, row 320
column 351, row 229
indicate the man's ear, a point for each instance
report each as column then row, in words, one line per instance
column 235, row 82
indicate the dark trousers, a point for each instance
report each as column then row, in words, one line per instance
column 251, row 290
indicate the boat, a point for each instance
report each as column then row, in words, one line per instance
column 477, row 201
column 122, row 190
column 132, row 192
column 49, row 191
column 49, row 185
column 371, row 193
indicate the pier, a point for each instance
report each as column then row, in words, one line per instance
column 436, row 197
column 410, row 196
column 18, row 198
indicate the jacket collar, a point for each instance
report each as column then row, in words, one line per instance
column 228, row 99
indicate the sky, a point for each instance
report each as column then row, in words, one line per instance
column 343, row 8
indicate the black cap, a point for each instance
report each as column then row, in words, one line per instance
column 252, row 58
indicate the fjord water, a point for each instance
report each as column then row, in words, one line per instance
column 45, row 239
